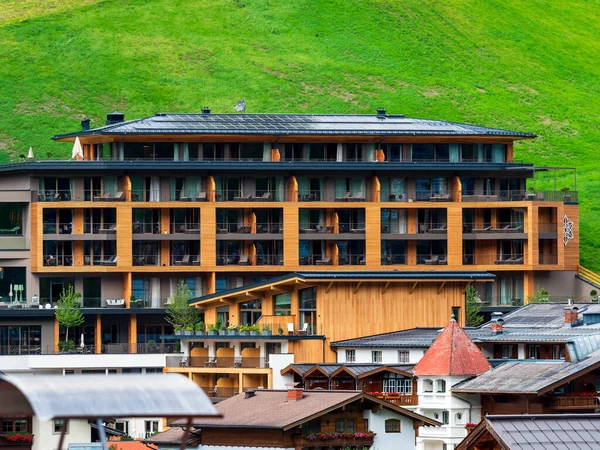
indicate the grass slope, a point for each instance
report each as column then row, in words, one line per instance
column 520, row 65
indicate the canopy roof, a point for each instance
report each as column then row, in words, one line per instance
column 96, row 396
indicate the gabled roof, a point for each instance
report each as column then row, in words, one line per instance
column 538, row 432
column 295, row 125
column 272, row 409
column 528, row 377
column 452, row 353
column 357, row 370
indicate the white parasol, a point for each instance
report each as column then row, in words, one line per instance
column 77, row 149
column 30, row 154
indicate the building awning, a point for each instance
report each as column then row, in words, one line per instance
column 96, row 396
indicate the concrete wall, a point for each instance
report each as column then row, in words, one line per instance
column 278, row 362
column 79, row 431
column 563, row 283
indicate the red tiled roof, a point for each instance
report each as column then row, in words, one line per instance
column 452, row 353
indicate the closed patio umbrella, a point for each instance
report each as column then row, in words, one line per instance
column 77, row 150
column 30, row 154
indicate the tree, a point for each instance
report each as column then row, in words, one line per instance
column 68, row 311
column 179, row 313
column 474, row 317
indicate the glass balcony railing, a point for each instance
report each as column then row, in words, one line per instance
column 185, row 228
column 393, row 259
column 269, row 260
column 233, row 260
column 499, row 227
column 439, row 259
column 58, row 260
column 493, row 258
column 185, row 260
column 146, row 259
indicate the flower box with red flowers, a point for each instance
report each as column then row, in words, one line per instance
column 336, row 439
column 16, row 439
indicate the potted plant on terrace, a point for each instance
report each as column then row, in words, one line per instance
column 566, row 195
column 212, row 330
column 232, row 330
column 178, row 330
column 254, row 330
column 280, row 331
column 219, row 327
column 17, row 439
column 189, row 330
column 470, row 426
column 199, row 329
column 244, row 330
column 266, row 330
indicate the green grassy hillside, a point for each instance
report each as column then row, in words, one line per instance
column 529, row 66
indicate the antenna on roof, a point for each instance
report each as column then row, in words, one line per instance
column 241, row 106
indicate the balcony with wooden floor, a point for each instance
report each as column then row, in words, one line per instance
column 587, row 401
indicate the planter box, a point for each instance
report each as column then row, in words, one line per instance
column 232, row 332
column 267, row 333
column 244, row 333
column 222, row 333
column 342, row 442
column 212, row 333
column 254, row 333
column 178, row 333
column 199, row 333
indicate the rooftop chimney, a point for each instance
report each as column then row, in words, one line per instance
column 295, row 394
column 381, row 112
column 115, row 117
column 571, row 316
column 205, row 110
column 85, row 124
column 497, row 323
column 249, row 393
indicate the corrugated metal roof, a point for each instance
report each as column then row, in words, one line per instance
column 295, row 124
column 452, row 353
column 525, row 376
column 548, row 432
column 92, row 396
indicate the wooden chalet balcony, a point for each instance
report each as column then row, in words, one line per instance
column 303, row 441
column 400, row 400
column 21, row 444
column 574, row 402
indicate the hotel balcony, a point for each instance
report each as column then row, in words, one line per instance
column 261, row 231
column 112, row 349
column 221, row 361
column 346, row 443
column 501, row 230
column 493, row 258
column 399, row 399
column 575, row 402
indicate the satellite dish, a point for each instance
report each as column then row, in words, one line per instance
column 241, row 105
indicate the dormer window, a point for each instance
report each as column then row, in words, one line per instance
column 427, row 385
column 440, row 385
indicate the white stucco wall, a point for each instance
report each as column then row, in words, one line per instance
column 404, row 440
column 278, row 362
column 389, row 355
column 79, row 431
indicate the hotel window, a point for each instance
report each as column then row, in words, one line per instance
column 11, row 219
column 445, row 417
column 20, row 340
column 340, row 426
column 392, row 426
column 282, row 304
column 350, row 356
column 534, row 352
column 507, row 351
column 308, row 310
column 151, row 427
column 376, row 356
column 558, row 352
column 397, row 383
column 441, row 386
column 403, row 356
column 250, row 312
column 59, row 425
column 122, row 426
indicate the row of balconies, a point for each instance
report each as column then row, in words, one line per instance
column 265, row 196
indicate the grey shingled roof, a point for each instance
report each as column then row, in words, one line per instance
column 295, row 124
column 548, row 432
column 525, row 376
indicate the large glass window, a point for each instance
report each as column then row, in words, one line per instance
column 13, row 280
column 308, row 310
column 397, row 383
column 283, row 304
column 20, row 340
column 250, row 312
column 11, row 218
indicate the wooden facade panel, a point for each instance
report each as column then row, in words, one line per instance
column 373, row 238
column 455, row 235
column 124, row 236
column 36, row 240
column 571, row 250
column 208, row 235
column 243, row 437
column 290, row 235
column 310, row 351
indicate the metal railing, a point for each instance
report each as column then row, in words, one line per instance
column 271, row 227
column 60, row 228
column 233, row 260
column 520, row 195
column 440, row 259
column 499, row 227
column 51, row 195
column 185, row 228
column 125, row 348
column 185, row 260
column 493, row 258
column 269, row 259
column 58, row 260
column 146, row 259
column 217, row 362
column 354, row 259
column 439, row 228
column 236, row 195
column 145, row 227
column 393, row 259
column 100, row 260
column 100, row 228
column 224, row 228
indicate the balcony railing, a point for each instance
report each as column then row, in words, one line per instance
column 224, row 392
column 269, row 260
column 58, row 260
column 260, row 228
column 220, row 362
column 145, row 227
column 340, row 442
column 245, row 196
column 500, row 227
column 393, row 259
column 122, row 349
column 520, row 195
column 100, row 260
column 100, row 228
column 50, row 195
column 433, row 228
column 400, row 399
column 185, row 260
column 354, row 259
column 575, row 402
column 493, row 258
column 60, row 228
column 439, row 259
column 146, row 259
column 273, row 228
column 233, row 260
column 185, row 228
